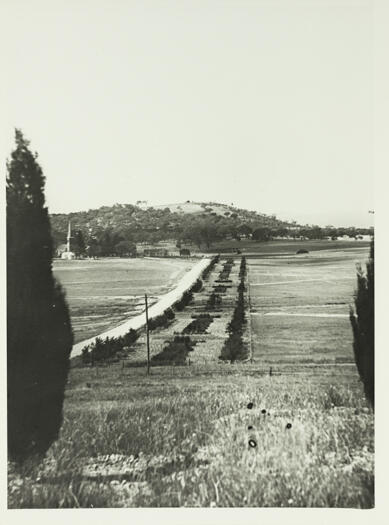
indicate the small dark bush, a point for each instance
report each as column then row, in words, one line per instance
column 214, row 301
column 220, row 289
column 302, row 250
column 199, row 325
column 175, row 352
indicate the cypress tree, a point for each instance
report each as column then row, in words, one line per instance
column 39, row 334
column 362, row 322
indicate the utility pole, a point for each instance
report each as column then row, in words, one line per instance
column 147, row 336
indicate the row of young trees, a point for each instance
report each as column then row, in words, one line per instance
column 234, row 347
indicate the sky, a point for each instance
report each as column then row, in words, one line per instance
column 264, row 104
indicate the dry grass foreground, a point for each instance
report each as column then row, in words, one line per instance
column 182, row 439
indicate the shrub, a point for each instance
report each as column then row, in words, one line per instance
column 214, row 301
column 175, row 352
column 199, row 325
column 302, row 250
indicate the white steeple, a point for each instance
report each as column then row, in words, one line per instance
column 69, row 237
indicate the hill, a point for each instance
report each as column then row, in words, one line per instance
column 188, row 222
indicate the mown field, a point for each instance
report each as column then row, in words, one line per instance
column 102, row 293
column 280, row 247
column 300, row 306
column 221, row 435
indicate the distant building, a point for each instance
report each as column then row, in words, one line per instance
column 61, row 249
column 155, row 252
column 68, row 254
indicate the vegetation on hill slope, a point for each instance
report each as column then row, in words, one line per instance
column 115, row 230
column 105, row 231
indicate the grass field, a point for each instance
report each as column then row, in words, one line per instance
column 129, row 440
column 300, row 306
column 280, row 247
column 104, row 292
column 185, row 435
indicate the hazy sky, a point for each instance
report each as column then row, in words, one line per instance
column 266, row 104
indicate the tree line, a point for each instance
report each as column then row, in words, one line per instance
column 201, row 231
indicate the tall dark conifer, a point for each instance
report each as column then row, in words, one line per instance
column 39, row 334
column 362, row 322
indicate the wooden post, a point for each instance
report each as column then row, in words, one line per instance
column 147, row 336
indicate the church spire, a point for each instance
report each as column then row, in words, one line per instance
column 69, row 237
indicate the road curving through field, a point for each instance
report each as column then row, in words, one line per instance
column 156, row 309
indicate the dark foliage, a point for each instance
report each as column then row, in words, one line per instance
column 187, row 296
column 198, row 325
column 39, row 334
column 226, row 270
column 234, row 348
column 210, row 267
column 243, row 269
column 105, row 349
column 362, row 322
column 214, row 301
column 175, row 352
column 105, row 228
column 302, row 250
column 220, row 289
column 161, row 320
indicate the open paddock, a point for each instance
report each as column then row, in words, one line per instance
column 103, row 293
column 300, row 306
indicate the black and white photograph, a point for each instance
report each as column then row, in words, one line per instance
column 190, row 254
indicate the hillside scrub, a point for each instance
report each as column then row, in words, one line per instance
column 115, row 230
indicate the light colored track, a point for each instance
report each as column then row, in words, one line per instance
column 156, row 309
